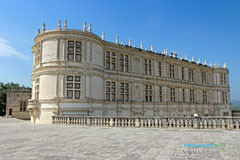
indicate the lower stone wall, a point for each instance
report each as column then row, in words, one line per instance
column 156, row 122
column 21, row 115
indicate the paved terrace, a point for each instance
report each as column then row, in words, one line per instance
column 22, row 140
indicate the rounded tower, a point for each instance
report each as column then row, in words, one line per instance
column 64, row 60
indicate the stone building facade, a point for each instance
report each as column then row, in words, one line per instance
column 76, row 72
column 17, row 101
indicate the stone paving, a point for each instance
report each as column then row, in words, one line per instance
column 21, row 140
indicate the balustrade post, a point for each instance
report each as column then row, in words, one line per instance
column 186, row 123
column 237, row 124
column 148, row 122
column 205, row 124
column 170, row 123
column 214, row 124
column 223, row 124
column 201, row 125
column 178, row 123
column 156, row 122
column 181, row 121
column 141, row 120
column 129, row 122
column 210, row 124
column 68, row 120
column 229, row 127
column 190, row 123
column 137, row 122
column 164, row 123
column 111, row 122
column 160, row 123
column 195, row 123
column 88, row 121
column 122, row 121
column 116, row 122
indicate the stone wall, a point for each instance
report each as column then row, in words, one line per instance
column 14, row 99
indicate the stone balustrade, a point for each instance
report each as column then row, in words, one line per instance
column 228, row 123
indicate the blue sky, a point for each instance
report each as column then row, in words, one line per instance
column 205, row 29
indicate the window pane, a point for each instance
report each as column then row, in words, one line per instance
column 78, row 43
column 126, row 97
column 69, row 85
column 108, row 96
column 113, row 83
column 77, row 94
column 70, row 42
column 77, row 78
column 113, row 66
column 78, row 57
column 78, row 49
column 107, row 89
column 122, row 97
column 113, row 89
column 121, row 90
column 70, row 49
column 69, row 78
column 77, row 85
column 69, row 94
column 113, row 97
column 70, row 56
column 108, row 83
column 108, row 65
column 121, row 67
column 122, row 84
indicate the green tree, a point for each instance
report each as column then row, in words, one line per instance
column 3, row 95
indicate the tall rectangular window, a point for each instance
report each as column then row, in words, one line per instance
column 73, row 87
column 171, row 71
column 224, row 97
column 110, row 60
column 205, row 97
column 148, row 66
column 37, row 51
column 204, row 77
column 223, row 78
column 190, row 75
column 160, row 69
column 183, row 96
column 110, row 90
column 172, row 95
column 148, row 93
column 37, row 83
column 124, row 91
column 124, row 62
column 192, row 96
column 23, row 106
column 74, row 51
column 183, row 75
column 160, row 94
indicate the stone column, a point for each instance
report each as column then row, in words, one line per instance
column 137, row 124
column 195, row 123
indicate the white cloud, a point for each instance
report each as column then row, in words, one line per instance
column 7, row 50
